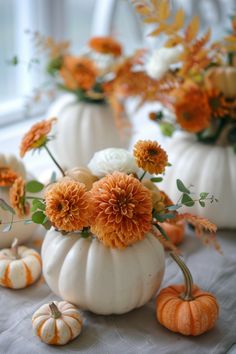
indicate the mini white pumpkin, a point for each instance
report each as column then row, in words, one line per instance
column 20, row 230
column 101, row 279
column 82, row 129
column 208, row 168
column 19, row 266
column 57, row 323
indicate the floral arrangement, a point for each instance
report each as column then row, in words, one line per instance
column 192, row 77
column 101, row 73
column 112, row 197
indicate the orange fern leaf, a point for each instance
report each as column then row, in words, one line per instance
column 167, row 244
column 192, row 29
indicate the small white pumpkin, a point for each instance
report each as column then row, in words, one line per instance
column 223, row 78
column 81, row 130
column 20, row 230
column 19, row 266
column 57, row 323
column 208, row 168
column 102, row 279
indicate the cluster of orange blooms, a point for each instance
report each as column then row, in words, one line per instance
column 117, row 208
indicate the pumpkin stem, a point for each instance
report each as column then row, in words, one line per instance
column 14, row 248
column 55, row 313
column 187, row 295
column 54, row 160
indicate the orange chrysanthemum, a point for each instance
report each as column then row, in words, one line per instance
column 150, row 156
column 105, row 45
column 17, row 197
column 78, row 73
column 7, row 176
column 218, row 104
column 191, row 108
column 67, row 205
column 36, row 136
column 122, row 210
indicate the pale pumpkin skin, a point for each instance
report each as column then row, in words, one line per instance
column 208, row 168
column 20, row 230
column 192, row 317
column 81, row 130
column 57, row 329
column 223, row 78
column 21, row 271
column 101, row 279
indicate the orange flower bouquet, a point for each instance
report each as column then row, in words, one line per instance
column 107, row 224
column 195, row 80
column 97, row 83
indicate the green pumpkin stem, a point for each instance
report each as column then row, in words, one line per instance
column 187, row 295
column 55, row 313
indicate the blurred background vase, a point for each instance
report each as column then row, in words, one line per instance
column 82, row 129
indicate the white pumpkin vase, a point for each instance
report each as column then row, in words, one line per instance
column 19, row 230
column 100, row 279
column 209, row 168
column 82, row 129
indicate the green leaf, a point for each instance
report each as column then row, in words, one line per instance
column 203, row 204
column 181, row 187
column 38, row 217
column 26, row 222
column 187, row 200
column 203, row 195
column 164, row 217
column 34, row 186
column 6, row 207
column 167, row 129
column 156, row 179
column 37, row 204
column 174, row 207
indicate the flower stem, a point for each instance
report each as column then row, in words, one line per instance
column 54, row 160
column 144, row 173
column 55, row 313
column 162, row 231
column 187, row 295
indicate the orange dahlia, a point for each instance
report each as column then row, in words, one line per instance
column 78, row 73
column 105, row 45
column 150, row 156
column 218, row 104
column 36, row 136
column 7, row 176
column 17, row 197
column 121, row 210
column 191, row 108
column 67, row 205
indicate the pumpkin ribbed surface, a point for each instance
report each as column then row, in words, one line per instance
column 21, row 272
column 81, row 130
column 209, row 169
column 186, row 317
column 101, row 279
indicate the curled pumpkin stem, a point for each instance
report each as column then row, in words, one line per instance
column 188, row 279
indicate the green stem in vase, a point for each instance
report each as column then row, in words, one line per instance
column 144, row 173
column 54, row 160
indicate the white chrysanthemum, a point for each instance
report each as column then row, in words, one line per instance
column 160, row 61
column 112, row 159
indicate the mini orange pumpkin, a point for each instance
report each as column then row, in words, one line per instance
column 175, row 232
column 186, row 309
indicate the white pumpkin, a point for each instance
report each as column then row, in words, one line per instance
column 20, row 230
column 82, row 129
column 101, row 279
column 19, row 266
column 57, row 323
column 208, row 168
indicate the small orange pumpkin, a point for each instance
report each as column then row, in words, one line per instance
column 186, row 309
column 175, row 232
column 222, row 78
